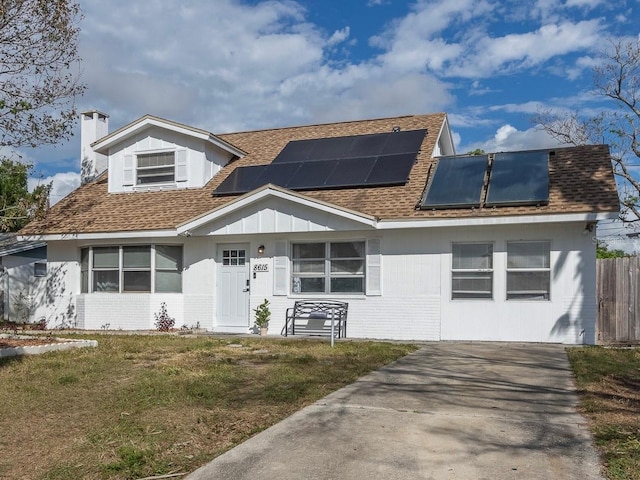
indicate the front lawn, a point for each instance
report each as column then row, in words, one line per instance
column 139, row 406
column 608, row 381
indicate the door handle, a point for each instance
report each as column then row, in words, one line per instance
column 245, row 290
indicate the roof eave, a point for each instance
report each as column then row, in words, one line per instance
column 105, row 143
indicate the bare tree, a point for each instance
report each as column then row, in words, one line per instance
column 617, row 78
column 39, row 70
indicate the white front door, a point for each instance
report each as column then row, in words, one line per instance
column 233, row 288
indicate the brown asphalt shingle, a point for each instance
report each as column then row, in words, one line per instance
column 580, row 181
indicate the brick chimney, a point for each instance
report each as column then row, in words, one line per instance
column 93, row 126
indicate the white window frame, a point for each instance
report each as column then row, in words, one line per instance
column 529, row 295
column 327, row 274
column 148, row 171
column 457, row 273
column 87, row 269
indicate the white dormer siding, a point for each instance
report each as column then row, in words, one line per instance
column 159, row 159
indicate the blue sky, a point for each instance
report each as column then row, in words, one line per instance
column 229, row 65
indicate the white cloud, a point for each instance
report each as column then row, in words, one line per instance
column 518, row 51
column 62, row 184
column 508, row 139
column 234, row 65
column 339, row 36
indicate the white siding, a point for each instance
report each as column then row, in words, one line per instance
column 416, row 299
column 201, row 159
column 62, row 285
column 276, row 215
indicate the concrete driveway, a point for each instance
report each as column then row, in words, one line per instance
column 449, row 411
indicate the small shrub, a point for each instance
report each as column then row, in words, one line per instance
column 263, row 314
column 164, row 322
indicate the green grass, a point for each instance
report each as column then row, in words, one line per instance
column 608, row 380
column 139, row 406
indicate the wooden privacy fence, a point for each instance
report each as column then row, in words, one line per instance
column 618, row 295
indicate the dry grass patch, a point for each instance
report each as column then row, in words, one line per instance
column 609, row 384
column 138, row 406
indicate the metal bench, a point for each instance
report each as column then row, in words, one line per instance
column 314, row 318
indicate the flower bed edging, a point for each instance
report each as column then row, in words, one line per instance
column 61, row 344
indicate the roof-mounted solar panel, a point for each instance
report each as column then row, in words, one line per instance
column 338, row 162
column 456, row 182
column 354, row 146
column 408, row 141
column 391, row 170
column 350, row 172
column 241, row 180
column 519, row 178
column 311, row 175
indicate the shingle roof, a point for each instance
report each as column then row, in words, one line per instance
column 580, row 181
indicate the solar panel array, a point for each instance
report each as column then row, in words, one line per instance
column 514, row 178
column 355, row 161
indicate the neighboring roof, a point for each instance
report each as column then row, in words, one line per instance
column 580, row 181
column 10, row 246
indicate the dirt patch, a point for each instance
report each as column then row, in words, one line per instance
column 13, row 342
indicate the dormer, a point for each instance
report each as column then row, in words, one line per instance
column 156, row 154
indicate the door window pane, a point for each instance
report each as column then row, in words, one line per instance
column 233, row 257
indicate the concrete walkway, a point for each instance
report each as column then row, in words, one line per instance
column 449, row 411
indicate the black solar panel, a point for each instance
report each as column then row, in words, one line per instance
column 519, row 178
column 354, row 161
column 457, row 182
column 311, row 175
column 350, row 172
column 354, row 146
column 241, row 180
column 403, row 142
column 329, row 148
column 367, row 145
column 278, row 174
column 295, row 151
column 391, row 169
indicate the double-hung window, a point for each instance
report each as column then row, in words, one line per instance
column 332, row 267
column 106, row 269
column 156, row 167
column 134, row 268
column 528, row 270
column 472, row 271
column 168, row 268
